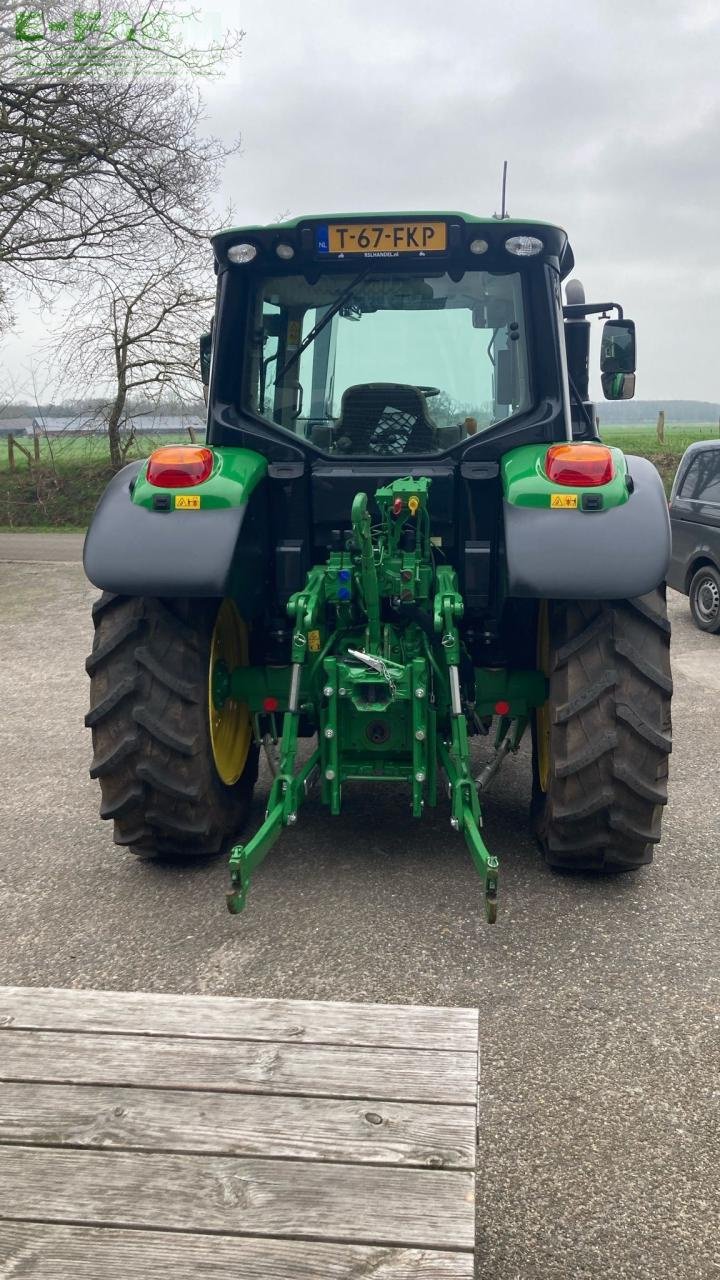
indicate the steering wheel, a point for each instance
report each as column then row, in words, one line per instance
column 430, row 391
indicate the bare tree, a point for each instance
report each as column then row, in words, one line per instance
column 137, row 335
column 98, row 150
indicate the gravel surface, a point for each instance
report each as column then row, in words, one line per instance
column 600, row 1085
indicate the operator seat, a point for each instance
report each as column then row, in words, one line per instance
column 385, row 418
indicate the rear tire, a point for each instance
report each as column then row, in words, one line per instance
column 705, row 599
column 150, row 727
column 609, row 725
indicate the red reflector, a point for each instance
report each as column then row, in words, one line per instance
column 179, row 466
column 502, row 708
column 579, row 464
column 270, row 704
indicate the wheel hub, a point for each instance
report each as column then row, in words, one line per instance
column 707, row 600
column 220, row 684
column 230, row 723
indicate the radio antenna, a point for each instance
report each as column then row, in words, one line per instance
column 503, row 211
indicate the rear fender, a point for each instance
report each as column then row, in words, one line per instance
column 142, row 542
column 615, row 553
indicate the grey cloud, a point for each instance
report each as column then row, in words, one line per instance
column 609, row 115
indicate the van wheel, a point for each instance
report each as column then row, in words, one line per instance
column 705, row 599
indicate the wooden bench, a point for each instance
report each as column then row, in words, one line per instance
column 156, row 1137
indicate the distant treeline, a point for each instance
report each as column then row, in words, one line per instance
column 625, row 412
column 611, row 413
column 83, row 408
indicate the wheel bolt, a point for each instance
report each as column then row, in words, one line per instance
column 420, row 735
column 329, row 733
column 420, row 692
column 330, row 774
column 328, row 691
column 420, row 776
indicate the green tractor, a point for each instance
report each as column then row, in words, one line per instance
column 402, row 533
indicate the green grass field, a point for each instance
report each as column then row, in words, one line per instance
column 641, row 437
column 62, row 452
column 62, row 489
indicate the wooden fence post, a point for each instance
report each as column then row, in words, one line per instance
column 36, row 446
column 11, row 453
column 191, row 433
column 661, row 426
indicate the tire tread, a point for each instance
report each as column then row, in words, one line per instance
column 610, row 690
column 148, row 716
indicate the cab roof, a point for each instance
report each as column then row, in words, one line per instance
column 497, row 230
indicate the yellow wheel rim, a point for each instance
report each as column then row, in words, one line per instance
column 230, row 723
column 542, row 714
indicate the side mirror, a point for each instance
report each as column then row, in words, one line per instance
column 272, row 327
column 506, row 390
column 618, row 386
column 492, row 313
column 205, row 354
column 617, row 349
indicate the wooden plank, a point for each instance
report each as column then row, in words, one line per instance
column 403, row 1075
column 363, row 1204
column 237, row 1018
column 355, row 1130
column 49, row 1252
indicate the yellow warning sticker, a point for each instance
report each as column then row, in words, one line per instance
column 314, row 641
column 566, row 500
column 187, row 501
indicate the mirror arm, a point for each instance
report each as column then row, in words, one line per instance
column 576, row 310
column 581, row 405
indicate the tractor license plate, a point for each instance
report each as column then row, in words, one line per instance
column 381, row 239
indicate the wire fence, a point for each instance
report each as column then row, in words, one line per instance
column 78, row 448
column 55, row 479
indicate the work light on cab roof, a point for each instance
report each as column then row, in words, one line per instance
column 402, row 541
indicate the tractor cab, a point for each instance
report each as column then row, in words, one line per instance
column 390, row 338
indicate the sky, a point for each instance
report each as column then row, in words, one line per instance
column 608, row 114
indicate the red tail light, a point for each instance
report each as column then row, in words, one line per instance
column 579, row 464
column 179, row 466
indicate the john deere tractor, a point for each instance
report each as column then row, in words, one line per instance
column 402, row 534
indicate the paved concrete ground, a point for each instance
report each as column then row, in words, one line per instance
column 600, row 1062
column 40, row 547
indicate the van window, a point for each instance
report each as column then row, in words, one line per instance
column 701, row 482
